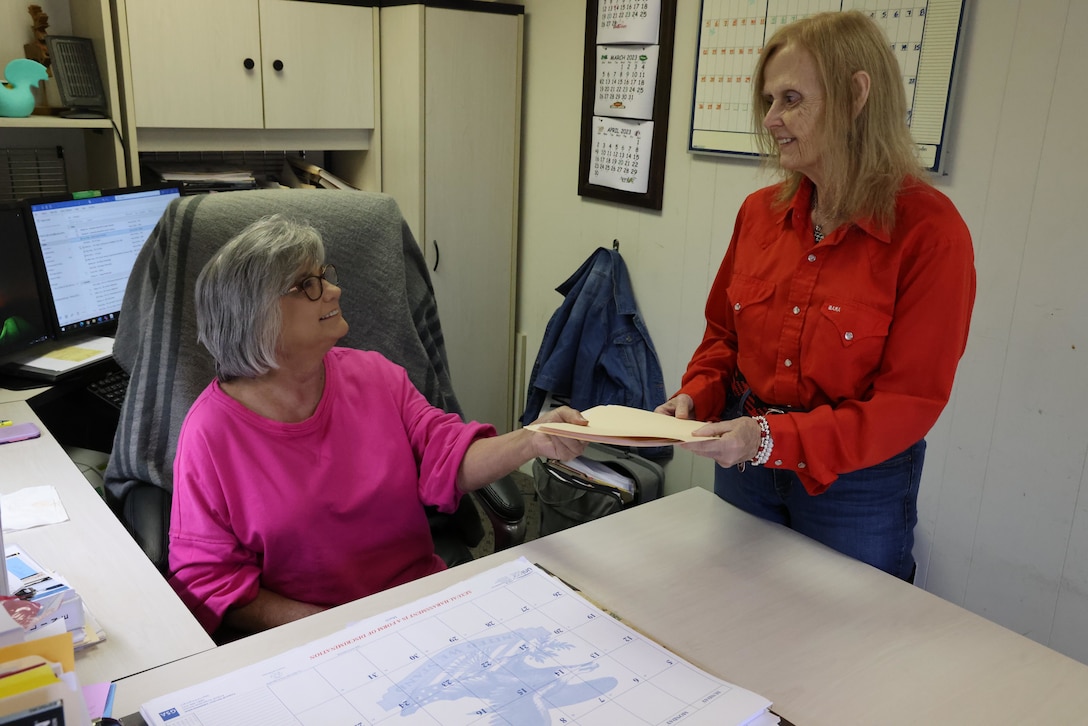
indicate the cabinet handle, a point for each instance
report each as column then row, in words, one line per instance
column 248, row 63
column 277, row 65
column 436, row 255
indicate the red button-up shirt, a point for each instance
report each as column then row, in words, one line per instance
column 862, row 331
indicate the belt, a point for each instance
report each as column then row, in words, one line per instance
column 741, row 400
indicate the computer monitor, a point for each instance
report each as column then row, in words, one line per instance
column 22, row 320
column 87, row 246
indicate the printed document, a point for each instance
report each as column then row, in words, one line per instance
column 511, row 645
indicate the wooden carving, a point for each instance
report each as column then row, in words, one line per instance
column 38, row 51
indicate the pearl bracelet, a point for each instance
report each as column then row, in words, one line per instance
column 766, row 442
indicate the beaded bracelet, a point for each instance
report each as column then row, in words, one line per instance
column 766, row 442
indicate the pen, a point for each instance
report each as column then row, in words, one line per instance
column 5, row 422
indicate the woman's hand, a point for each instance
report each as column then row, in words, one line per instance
column 559, row 447
column 680, row 406
column 488, row 459
column 736, row 440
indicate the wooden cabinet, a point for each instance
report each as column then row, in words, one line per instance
column 250, row 64
column 247, row 75
column 451, row 115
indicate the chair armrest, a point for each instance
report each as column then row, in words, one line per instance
column 145, row 512
column 504, row 506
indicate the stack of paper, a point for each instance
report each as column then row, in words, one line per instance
column 511, row 645
column 196, row 178
column 57, row 601
column 57, row 607
column 596, row 473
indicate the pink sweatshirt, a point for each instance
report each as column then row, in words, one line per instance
column 324, row 511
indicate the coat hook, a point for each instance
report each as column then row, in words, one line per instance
column 616, row 245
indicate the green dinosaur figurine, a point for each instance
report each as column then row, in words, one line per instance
column 17, row 91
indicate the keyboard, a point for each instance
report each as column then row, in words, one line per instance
column 111, row 387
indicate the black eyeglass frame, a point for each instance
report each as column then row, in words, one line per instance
column 327, row 274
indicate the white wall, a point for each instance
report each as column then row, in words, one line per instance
column 1003, row 530
column 15, row 25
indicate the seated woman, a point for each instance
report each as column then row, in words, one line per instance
column 302, row 472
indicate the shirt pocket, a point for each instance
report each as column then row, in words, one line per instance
column 750, row 299
column 848, row 346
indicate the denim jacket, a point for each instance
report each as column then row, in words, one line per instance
column 596, row 349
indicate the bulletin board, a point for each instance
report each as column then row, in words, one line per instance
column 925, row 36
column 625, row 100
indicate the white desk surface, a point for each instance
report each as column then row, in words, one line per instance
column 145, row 623
column 10, row 396
column 827, row 639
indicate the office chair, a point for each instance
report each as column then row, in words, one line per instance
column 387, row 298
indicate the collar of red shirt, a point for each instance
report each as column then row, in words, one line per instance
column 802, row 203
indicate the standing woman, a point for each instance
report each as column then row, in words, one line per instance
column 841, row 309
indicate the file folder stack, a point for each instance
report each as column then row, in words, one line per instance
column 597, row 474
column 38, row 684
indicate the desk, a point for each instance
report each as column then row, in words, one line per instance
column 74, row 415
column 827, row 639
column 145, row 622
column 11, row 396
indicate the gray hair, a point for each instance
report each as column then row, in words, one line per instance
column 239, row 289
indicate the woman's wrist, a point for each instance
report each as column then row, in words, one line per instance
column 766, row 442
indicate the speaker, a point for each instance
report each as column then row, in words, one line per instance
column 76, row 73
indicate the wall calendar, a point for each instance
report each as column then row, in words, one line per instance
column 625, row 100
column 923, row 34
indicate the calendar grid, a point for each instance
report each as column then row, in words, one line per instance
column 625, row 104
column 510, row 646
column 732, row 36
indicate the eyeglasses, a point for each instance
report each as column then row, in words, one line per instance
column 312, row 285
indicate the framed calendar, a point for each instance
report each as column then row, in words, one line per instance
column 923, row 34
column 625, row 100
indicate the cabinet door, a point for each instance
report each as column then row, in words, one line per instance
column 326, row 76
column 471, row 119
column 188, row 63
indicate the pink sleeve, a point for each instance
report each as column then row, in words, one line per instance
column 440, row 441
column 209, row 569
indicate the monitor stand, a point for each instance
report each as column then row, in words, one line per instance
column 77, row 112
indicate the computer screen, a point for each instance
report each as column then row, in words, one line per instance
column 87, row 247
column 22, row 320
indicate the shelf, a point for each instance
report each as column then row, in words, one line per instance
column 54, row 122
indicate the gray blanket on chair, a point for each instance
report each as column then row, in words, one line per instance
column 387, row 300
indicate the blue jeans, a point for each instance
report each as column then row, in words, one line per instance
column 868, row 514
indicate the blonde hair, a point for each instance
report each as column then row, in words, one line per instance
column 868, row 156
